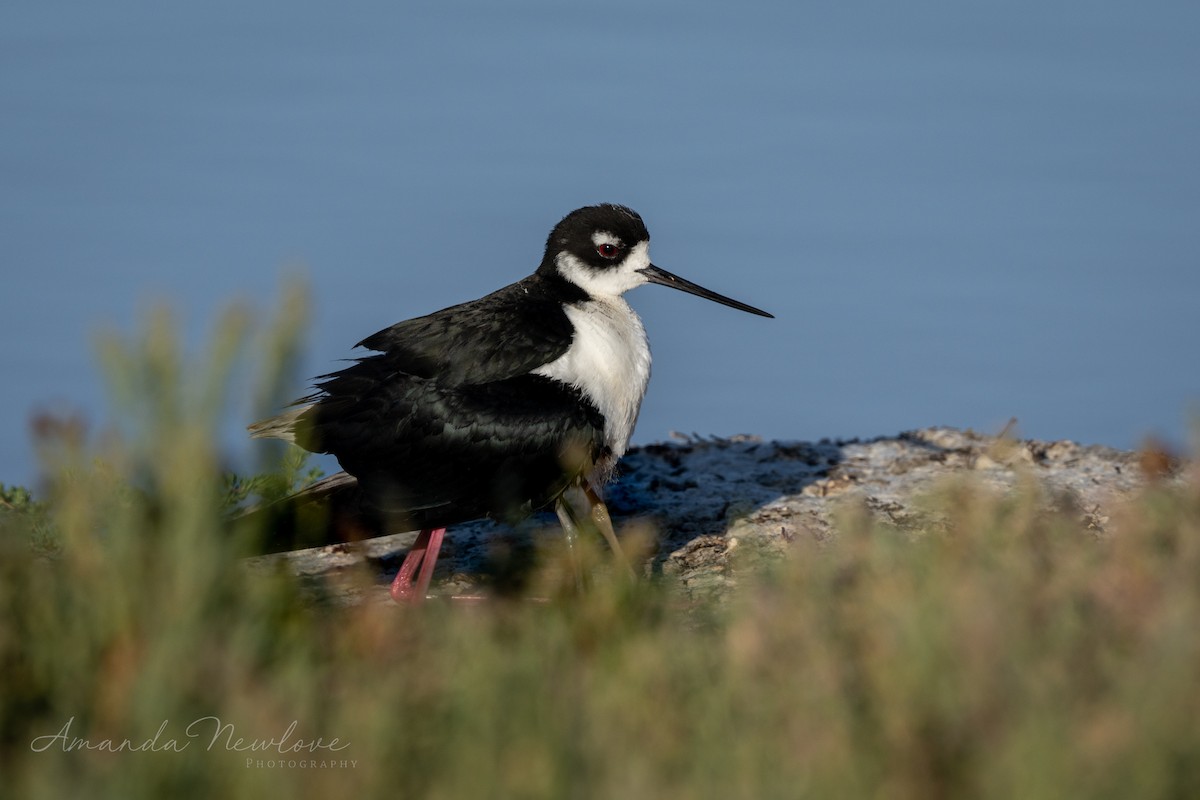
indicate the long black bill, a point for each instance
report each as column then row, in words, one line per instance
column 663, row 278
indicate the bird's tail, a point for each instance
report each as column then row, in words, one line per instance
column 329, row 511
column 282, row 426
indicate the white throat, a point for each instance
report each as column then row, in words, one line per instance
column 609, row 361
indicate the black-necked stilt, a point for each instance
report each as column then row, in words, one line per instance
column 500, row 406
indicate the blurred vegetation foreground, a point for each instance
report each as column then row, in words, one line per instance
column 937, row 614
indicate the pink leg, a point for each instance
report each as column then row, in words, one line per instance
column 431, row 556
column 423, row 553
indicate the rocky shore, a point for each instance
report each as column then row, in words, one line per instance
column 707, row 497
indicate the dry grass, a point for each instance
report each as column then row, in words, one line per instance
column 1007, row 651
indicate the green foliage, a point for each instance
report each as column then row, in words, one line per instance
column 23, row 518
column 15, row 498
column 1000, row 649
column 293, row 473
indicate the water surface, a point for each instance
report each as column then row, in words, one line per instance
column 959, row 214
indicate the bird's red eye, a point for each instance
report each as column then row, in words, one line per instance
column 608, row 250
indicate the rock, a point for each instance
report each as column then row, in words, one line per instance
column 708, row 497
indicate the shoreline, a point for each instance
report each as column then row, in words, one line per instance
column 708, row 497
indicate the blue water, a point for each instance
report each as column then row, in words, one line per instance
column 959, row 213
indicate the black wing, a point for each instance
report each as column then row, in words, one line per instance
column 446, row 423
column 507, row 333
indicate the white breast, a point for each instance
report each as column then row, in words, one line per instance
column 609, row 361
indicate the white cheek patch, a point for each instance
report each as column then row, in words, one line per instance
column 638, row 258
column 606, row 282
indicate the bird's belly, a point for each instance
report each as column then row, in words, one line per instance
column 503, row 488
column 448, row 454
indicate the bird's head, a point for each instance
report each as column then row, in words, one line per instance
column 605, row 251
column 601, row 249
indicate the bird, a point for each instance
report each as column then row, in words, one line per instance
column 499, row 407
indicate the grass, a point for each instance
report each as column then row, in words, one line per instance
column 1004, row 650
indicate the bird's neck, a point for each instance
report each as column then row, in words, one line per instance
column 609, row 361
column 556, row 286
